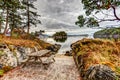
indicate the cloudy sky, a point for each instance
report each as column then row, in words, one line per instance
column 57, row 15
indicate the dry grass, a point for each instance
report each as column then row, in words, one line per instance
column 97, row 51
column 22, row 42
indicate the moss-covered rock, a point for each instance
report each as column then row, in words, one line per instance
column 97, row 59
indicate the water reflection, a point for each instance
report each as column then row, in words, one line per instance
column 62, row 39
column 65, row 46
column 106, row 36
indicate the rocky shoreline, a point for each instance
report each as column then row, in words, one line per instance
column 13, row 55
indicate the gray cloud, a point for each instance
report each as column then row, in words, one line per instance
column 56, row 14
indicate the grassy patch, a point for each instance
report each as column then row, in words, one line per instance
column 24, row 42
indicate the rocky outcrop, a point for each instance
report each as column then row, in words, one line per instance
column 68, row 53
column 11, row 55
column 97, row 59
column 54, row 48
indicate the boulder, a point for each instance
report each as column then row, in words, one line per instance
column 68, row 53
column 97, row 59
column 11, row 55
column 8, row 58
column 100, row 72
column 54, row 48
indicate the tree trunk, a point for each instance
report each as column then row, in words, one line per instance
column 6, row 22
column 13, row 22
column 28, row 16
column 0, row 27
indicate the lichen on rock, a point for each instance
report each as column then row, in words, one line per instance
column 13, row 55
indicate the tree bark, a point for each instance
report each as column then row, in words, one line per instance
column 6, row 22
column 28, row 15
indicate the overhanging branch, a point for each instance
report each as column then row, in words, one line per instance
column 102, row 20
column 114, row 11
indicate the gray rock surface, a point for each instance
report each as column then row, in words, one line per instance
column 13, row 55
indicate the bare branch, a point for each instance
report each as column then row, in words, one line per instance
column 102, row 20
column 106, row 14
column 114, row 11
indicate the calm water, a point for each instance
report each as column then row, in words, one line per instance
column 65, row 46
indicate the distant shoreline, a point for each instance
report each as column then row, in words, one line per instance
column 69, row 35
column 78, row 35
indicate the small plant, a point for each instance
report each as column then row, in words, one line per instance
column 1, row 52
column 1, row 72
column 6, row 68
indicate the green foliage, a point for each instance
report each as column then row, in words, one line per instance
column 80, row 21
column 99, row 4
column 89, row 22
column 60, row 36
column 92, row 22
column 109, row 32
column 1, row 52
column 32, row 16
column 118, row 69
column 1, row 72
column 17, row 32
column 12, row 10
column 61, row 33
column 96, row 6
column 5, row 69
column 16, row 13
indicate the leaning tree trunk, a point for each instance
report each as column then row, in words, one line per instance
column 97, row 59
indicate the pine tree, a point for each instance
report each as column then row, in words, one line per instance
column 16, row 12
column 10, row 9
column 32, row 16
